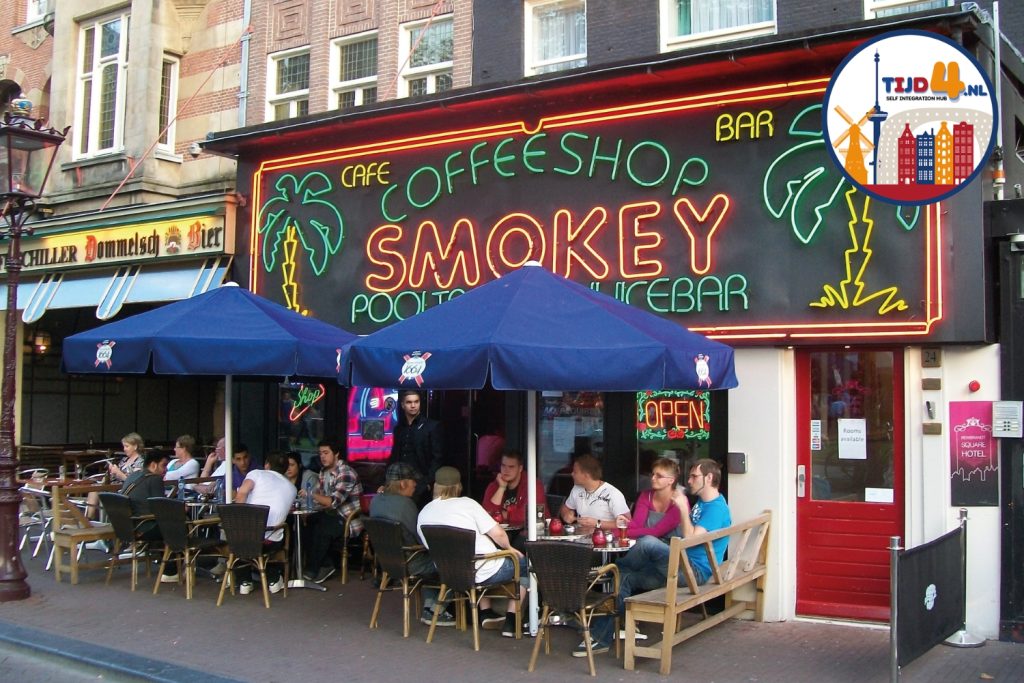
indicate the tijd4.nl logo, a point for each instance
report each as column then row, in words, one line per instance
column 910, row 117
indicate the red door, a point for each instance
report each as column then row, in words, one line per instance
column 849, row 479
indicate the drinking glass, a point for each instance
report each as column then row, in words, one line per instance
column 623, row 525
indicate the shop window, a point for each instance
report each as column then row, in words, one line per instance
column 168, row 103
column 427, row 51
column 288, row 85
column 687, row 23
column 354, row 72
column 875, row 9
column 100, row 104
column 555, row 35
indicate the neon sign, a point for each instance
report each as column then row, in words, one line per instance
column 715, row 208
column 306, row 397
column 665, row 415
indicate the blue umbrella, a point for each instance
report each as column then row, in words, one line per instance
column 227, row 331
column 533, row 330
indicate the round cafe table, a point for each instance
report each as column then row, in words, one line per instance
column 298, row 514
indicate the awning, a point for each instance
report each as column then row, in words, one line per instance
column 108, row 290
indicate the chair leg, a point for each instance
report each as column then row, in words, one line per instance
column 225, row 579
column 344, row 563
column 441, row 594
column 476, row 625
column 76, row 549
column 670, row 626
column 376, row 604
column 629, row 658
column 113, row 560
column 540, row 636
column 160, row 571
column 586, row 641
column 262, row 566
column 406, row 599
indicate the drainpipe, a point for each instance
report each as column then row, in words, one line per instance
column 243, row 71
column 998, row 172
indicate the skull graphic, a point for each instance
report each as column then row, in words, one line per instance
column 930, row 593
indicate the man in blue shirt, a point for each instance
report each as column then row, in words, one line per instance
column 645, row 566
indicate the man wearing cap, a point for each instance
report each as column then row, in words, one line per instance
column 395, row 503
column 450, row 508
column 417, row 442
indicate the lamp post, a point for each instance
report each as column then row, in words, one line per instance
column 27, row 152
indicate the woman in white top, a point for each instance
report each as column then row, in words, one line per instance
column 184, row 465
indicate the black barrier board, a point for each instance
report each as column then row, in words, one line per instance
column 930, row 596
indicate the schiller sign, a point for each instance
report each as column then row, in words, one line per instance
column 721, row 211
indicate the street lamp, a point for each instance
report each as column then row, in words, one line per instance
column 27, row 152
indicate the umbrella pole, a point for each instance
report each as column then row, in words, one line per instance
column 531, row 495
column 229, row 398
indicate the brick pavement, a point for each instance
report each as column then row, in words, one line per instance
column 242, row 640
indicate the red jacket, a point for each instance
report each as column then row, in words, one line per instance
column 514, row 511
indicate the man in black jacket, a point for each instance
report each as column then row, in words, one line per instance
column 417, row 442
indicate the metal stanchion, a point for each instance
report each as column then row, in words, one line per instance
column 963, row 638
column 894, row 556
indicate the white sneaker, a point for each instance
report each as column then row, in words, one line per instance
column 168, row 578
column 278, row 585
column 97, row 545
column 245, row 588
column 639, row 636
column 219, row 568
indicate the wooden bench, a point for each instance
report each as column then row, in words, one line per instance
column 71, row 528
column 746, row 564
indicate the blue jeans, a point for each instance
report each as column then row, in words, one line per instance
column 507, row 571
column 643, row 568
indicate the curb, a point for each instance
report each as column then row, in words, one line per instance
column 100, row 658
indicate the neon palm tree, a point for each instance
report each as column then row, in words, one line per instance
column 297, row 215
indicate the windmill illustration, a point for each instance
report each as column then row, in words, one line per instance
column 857, row 145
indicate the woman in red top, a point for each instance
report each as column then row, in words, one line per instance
column 654, row 513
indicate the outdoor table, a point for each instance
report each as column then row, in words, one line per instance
column 298, row 514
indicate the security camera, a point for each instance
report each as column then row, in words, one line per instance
column 195, row 150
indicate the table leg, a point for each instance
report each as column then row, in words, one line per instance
column 300, row 581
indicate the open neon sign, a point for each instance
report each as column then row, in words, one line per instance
column 665, row 415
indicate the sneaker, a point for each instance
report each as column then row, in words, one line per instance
column 509, row 628
column 639, row 636
column 445, row 618
column 489, row 619
column 168, row 578
column 278, row 585
column 219, row 568
column 324, row 574
column 245, row 588
column 595, row 647
column 97, row 545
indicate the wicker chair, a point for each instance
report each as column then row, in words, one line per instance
column 245, row 527
column 118, row 508
column 180, row 541
column 567, row 585
column 350, row 544
column 454, row 552
column 394, row 558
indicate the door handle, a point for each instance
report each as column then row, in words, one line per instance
column 801, row 481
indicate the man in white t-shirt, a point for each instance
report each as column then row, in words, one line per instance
column 267, row 487
column 592, row 502
column 449, row 508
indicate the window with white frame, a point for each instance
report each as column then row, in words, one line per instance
column 430, row 52
column 556, row 35
column 288, row 85
column 874, row 9
column 37, row 10
column 100, row 104
column 168, row 103
column 354, row 71
column 687, row 23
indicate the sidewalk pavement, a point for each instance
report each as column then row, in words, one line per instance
column 312, row 635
